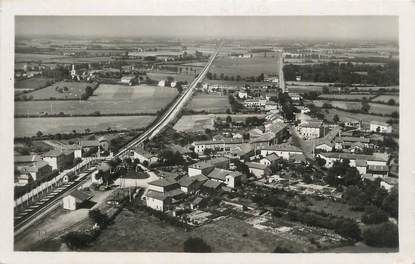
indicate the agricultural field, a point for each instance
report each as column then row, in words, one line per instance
column 27, row 57
column 245, row 67
column 61, row 90
column 107, row 99
column 26, row 127
column 209, row 102
column 346, row 96
column 55, row 58
column 157, row 76
column 202, row 122
column 124, row 92
column 374, row 108
column 386, row 98
column 304, row 88
column 33, row 83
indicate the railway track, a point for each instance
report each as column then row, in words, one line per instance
column 23, row 223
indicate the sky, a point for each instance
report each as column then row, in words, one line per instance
column 286, row 27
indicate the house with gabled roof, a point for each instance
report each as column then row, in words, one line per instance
column 269, row 160
column 75, row 199
column 258, row 169
column 282, row 150
column 143, row 156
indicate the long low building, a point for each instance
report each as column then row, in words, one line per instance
column 217, row 145
column 282, row 150
column 379, row 159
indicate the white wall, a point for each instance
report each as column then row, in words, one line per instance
column 155, row 204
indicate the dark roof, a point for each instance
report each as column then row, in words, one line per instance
column 53, row 153
column 256, row 165
column 351, row 156
column 220, row 174
column 361, row 163
column 80, row 196
column 26, row 158
column 197, row 200
column 283, row 147
column 272, row 157
column 156, row 195
column 163, row 182
column 378, row 168
column 212, row 184
column 187, row 181
column 89, row 143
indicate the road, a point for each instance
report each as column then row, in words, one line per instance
column 281, row 72
column 169, row 116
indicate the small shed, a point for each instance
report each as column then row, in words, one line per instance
column 73, row 200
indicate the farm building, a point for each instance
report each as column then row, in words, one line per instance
column 310, row 129
column 258, row 169
column 129, row 79
column 75, row 199
column 282, row 150
column 143, row 155
column 380, row 127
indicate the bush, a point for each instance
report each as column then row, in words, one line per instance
column 383, row 235
column 99, row 218
column 196, row 244
column 279, row 249
column 77, row 240
column 374, row 215
column 348, row 228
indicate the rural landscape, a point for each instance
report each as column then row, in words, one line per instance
column 164, row 142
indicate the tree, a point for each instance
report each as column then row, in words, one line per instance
column 279, row 249
column 336, row 118
column 99, row 218
column 320, row 161
column 229, row 120
column 391, row 101
column 39, row 134
column 391, row 203
column 383, row 235
column 365, row 106
column 196, row 245
column 77, row 240
column 355, row 197
column 374, row 215
column 348, row 229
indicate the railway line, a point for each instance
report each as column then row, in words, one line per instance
column 22, row 223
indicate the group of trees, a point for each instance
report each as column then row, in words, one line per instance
column 288, row 108
column 345, row 73
column 170, row 158
column 341, row 173
column 238, row 78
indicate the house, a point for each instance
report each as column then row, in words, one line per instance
column 75, row 199
column 324, row 146
column 157, row 200
column 255, row 133
column 282, row 150
column 231, row 179
column 104, row 169
column 211, row 186
column 297, row 158
column 295, row 97
column 242, row 152
column 378, row 170
column 350, row 122
column 266, row 139
column 129, row 79
column 258, row 169
column 361, row 166
column 173, row 84
column 269, row 160
column 36, row 171
column 192, row 184
column 310, row 129
column 204, row 167
column 197, row 203
column 271, row 106
column 143, row 156
column 163, row 185
column 55, row 158
column 242, row 94
column 25, row 160
column 346, row 142
column 279, row 129
column 380, row 127
column 216, row 145
column 255, row 103
column 274, row 117
column 162, row 83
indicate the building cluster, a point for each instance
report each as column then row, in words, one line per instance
column 36, row 168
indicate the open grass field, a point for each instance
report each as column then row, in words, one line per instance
column 61, row 90
column 345, row 96
column 33, row 83
column 209, row 102
column 55, row 58
column 374, row 108
column 163, row 76
column 201, row 122
column 124, row 92
column 386, row 98
column 108, row 99
column 142, row 233
column 52, row 125
column 304, row 88
column 245, row 67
